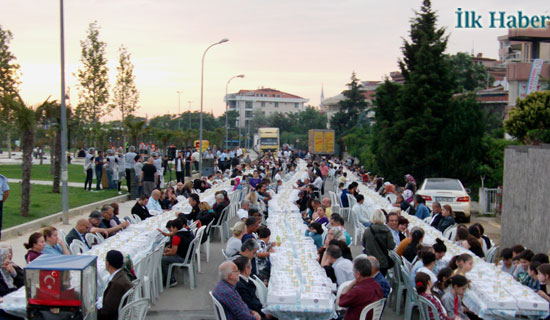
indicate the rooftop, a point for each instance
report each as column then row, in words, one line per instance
column 267, row 92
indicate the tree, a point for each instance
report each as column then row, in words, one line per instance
column 9, row 81
column 49, row 113
column 126, row 95
column 350, row 108
column 529, row 121
column 93, row 78
column 25, row 119
column 469, row 76
column 135, row 129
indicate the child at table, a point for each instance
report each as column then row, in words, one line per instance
column 531, row 281
column 524, row 260
column 262, row 256
column 507, row 262
column 452, row 299
column 461, row 264
column 544, row 278
column 315, row 231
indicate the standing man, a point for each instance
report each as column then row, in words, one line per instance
column 149, row 177
column 158, row 164
column 89, row 168
column 129, row 162
column 99, row 161
column 179, row 164
column 5, row 192
column 111, row 168
column 196, row 159
column 188, row 161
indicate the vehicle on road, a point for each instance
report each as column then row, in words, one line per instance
column 268, row 140
column 447, row 191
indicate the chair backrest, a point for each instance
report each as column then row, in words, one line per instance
column 225, row 255
column 450, row 233
column 63, row 235
column 200, row 234
column 100, row 237
column 406, row 264
column 406, row 276
column 491, row 254
column 91, row 239
column 261, row 289
column 427, row 220
column 218, row 308
column 351, row 200
column 130, row 219
column 427, row 309
column 137, row 218
column 325, row 232
column 136, row 310
column 77, row 247
column 223, row 216
column 341, row 288
column 191, row 250
column 376, row 307
column 128, row 297
column 208, row 227
column 193, row 225
column 397, row 265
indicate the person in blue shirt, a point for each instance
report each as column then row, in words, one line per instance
column 315, row 231
column 375, row 265
column 350, row 190
column 154, row 203
column 54, row 244
column 422, row 211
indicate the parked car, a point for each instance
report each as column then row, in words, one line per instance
column 447, row 191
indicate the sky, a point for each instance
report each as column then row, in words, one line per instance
column 296, row 46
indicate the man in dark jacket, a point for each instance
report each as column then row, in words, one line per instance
column 245, row 287
column 140, row 208
column 117, row 287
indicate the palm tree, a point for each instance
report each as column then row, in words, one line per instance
column 135, row 129
column 25, row 119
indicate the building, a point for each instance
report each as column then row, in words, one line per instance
column 517, row 51
column 267, row 100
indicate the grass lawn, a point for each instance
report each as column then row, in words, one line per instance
column 42, row 172
column 44, row 202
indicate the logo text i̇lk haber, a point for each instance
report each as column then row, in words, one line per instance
column 469, row 19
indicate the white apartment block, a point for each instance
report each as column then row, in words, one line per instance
column 268, row 101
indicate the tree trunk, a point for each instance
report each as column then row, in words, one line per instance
column 27, row 141
column 57, row 163
column 8, row 135
column 52, row 150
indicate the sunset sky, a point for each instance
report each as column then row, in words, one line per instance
column 290, row 45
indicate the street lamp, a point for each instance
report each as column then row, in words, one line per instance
column 202, row 96
column 64, row 172
column 179, row 112
column 227, row 106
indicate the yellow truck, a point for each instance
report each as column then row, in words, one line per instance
column 321, row 141
column 268, row 140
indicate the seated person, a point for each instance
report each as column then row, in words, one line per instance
column 35, row 246
column 249, row 249
column 108, row 222
column 336, row 220
column 116, row 211
column 343, row 268
column 243, row 211
column 140, row 208
column 225, row 292
column 252, row 225
column 154, row 202
column 82, row 227
column 194, row 201
column 11, row 279
column 315, row 231
column 384, row 284
column 245, row 287
column 219, row 206
column 179, row 245
column 54, row 244
column 506, row 262
column 361, row 292
column 234, row 243
column 117, row 287
column 360, row 211
column 169, row 200
column 262, row 256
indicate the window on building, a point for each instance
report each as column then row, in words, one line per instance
column 248, row 105
column 296, row 105
column 263, row 104
column 276, row 104
column 248, row 114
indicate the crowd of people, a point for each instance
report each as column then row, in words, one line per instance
column 363, row 278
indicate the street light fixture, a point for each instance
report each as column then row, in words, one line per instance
column 64, row 172
column 227, row 107
column 202, row 98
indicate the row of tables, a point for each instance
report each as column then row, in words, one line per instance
column 136, row 241
column 493, row 294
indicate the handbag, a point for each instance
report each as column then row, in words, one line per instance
column 384, row 250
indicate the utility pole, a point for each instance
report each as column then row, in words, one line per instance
column 64, row 171
column 179, row 111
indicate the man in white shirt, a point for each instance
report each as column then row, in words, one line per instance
column 243, row 211
column 129, row 162
column 89, row 168
column 158, row 164
column 196, row 158
column 343, row 268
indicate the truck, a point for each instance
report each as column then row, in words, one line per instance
column 321, row 141
column 268, row 140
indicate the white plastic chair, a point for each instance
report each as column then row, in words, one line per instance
column 225, row 255
column 155, row 273
column 427, row 220
column 351, row 202
column 397, row 281
column 450, row 233
column 427, row 308
column 137, row 218
column 261, row 289
column 358, row 228
column 199, row 234
column 130, row 219
column 63, row 235
column 334, row 202
column 92, row 239
column 410, row 298
column 136, row 310
column 128, row 297
column 376, row 307
column 491, row 254
column 77, row 247
column 206, row 243
column 339, row 292
column 222, row 223
column 187, row 263
column 218, row 308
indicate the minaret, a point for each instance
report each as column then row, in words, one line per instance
column 322, row 95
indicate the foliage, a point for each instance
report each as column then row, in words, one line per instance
column 93, row 77
column 529, row 121
column 9, row 81
column 469, row 76
column 126, row 95
column 350, row 108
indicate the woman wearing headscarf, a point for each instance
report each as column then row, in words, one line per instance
column 11, row 278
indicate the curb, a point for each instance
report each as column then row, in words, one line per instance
column 21, row 229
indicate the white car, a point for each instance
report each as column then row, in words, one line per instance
column 447, row 191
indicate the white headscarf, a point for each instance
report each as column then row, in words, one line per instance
column 6, row 275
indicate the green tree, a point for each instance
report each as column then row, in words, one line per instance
column 135, row 129
column 93, row 78
column 126, row 95
column 350, row 108
column 469, row 76
column 49, row 114
column 9, row 81
column 529, row 121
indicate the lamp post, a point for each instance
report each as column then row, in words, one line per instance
column 64, row 172
column 189, row 113
column 227, row 106
column 179, row 112
column 202, row 98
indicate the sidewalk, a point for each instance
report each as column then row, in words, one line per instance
column 48, row 183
